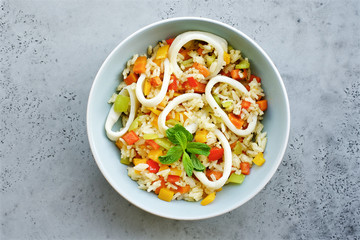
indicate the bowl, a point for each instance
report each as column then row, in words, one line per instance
column 107, row 155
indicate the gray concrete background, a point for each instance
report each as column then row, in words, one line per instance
column 51, row 187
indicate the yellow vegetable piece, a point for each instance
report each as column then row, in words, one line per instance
column 155, row 154
column 137, row 161
column 176, row 94
column 166, row 194
column 162, row 52
column 147, row 87
column 137, row 172
column 163, row 103
column 154, row 122
column 163, row 167
column 226, row 58
column 200, row 136
column 175, row 171
column 209, row 198
column 119, row 143
column 155, row 111
column 218, row 190
column 259, row 159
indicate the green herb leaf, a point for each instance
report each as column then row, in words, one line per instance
column 181, row 138
column 188, row 165
column 198, row 166
column 198, row 148
column 170, row 133
column 172, row 155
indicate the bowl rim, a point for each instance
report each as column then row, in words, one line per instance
column 258, row 48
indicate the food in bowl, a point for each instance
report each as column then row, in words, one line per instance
column 191, row 113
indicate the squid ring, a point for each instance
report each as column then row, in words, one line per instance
column 171, row 105
column 210, row 99
column 155, row 100
column 217, row 42
column 227, row 165
column 113, row 116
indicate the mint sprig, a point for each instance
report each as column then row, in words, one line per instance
column 184, row 147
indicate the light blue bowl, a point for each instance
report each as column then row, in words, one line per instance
column 107, row 156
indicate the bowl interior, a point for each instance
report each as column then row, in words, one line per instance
column 107, row 155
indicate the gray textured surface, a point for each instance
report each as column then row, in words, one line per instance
column 51, row 187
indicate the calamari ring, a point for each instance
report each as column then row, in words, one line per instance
column 113, row 116
column 216, row 108
column 227, row 165
column 158, row 98
column 217, row 42
column 171, row 105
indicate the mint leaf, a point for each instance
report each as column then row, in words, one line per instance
column 188, row 165
column 181, row 138
column 198, row 148
column 170, row 133
column 198, row 166
column 172, row 155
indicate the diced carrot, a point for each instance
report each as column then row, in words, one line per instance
column 183, row 190
column 200, row 51
column 202, row 69
column 235, row 74
column 217, row 174
column 153, row 166
column 247, row 87
column 130, row 138
column 152, row 144
column 258, row 79
column 216, row 153
column 170, row 41
column 233, row 145
column 238, row 122
column 243, row 74
column 192, row 82
column 131, row 78
column 185, row 52
column 140, row 65
column 245, row 104
column 200, row 88
column 262, row 104
column 173, row 83
column 239, row 74
column 173, row 178
column 155, row 81
column 245, row 168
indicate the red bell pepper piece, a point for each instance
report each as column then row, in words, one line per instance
column 173, row 178
column 245, row 168
column 216, row 153
column 258, row 79
column 173, row 85
column 130, row 138
column 153, row 166
column 152, row 144
column 217, row 174
column 245, row 104
column 170, row 41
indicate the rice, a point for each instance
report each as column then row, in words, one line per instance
column 195, row 111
